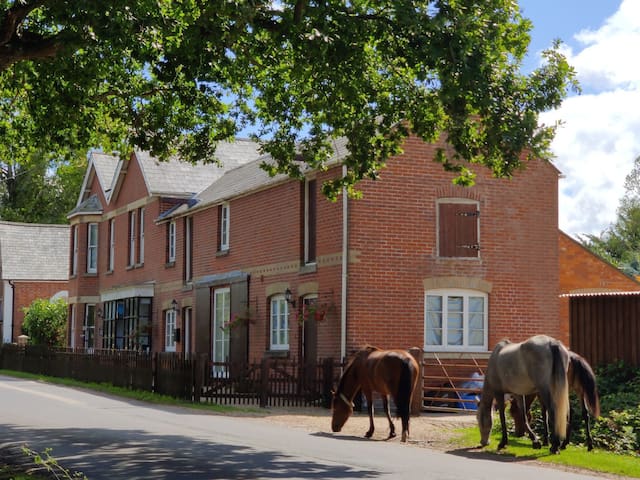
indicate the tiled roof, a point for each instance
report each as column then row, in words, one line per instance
column 182, row 179
column 248, row 178
column 105, row 167
column 30, row 251
column 90, row 205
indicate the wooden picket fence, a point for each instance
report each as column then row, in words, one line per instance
column 450, row 383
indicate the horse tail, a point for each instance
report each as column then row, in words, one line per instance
column 560, row 388
column 586, row 379
column 406, row 384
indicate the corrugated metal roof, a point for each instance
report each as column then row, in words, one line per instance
column 599, row 293
column 30, row 251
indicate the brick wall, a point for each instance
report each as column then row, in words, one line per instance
column 393, row 228
column 25, row 293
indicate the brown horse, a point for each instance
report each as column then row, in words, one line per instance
column 582, row 381
column 536, row 366
column 389, row 372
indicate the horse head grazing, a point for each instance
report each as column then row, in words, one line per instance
column 341, row 408
column 484, row 415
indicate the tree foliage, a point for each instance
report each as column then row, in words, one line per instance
column 620, row 242
column 45, row 322
column 178, row 76
column 40, row 188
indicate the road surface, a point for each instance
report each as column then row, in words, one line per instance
column 110, row 438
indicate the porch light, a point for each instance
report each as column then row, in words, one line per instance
column 174, row 305
column 288, row 296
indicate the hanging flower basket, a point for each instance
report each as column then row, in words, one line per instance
column 238, row 320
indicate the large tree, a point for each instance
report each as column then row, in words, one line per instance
column 620, row 242
column 178, row 76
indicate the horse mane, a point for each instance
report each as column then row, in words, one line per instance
column 366, row 350
column 583, row 374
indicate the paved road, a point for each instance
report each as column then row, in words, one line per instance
column 111, row 438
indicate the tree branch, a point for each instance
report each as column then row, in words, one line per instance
column 19, row 50
column 14, row 17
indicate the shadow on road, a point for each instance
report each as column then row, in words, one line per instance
column 117, row 454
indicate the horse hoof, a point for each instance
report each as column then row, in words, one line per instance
column 537, row 445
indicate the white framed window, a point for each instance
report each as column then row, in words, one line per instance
column 221, row 334
column 132, row 238
column 112, row 244
column 171, row 242
column 74, row 252
column 279, row 325
column 170, row 330
column 188, row 249
column 224, row 226
column 455, row 319
column 92, row 248
column 141, row 236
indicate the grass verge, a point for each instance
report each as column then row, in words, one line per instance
column 140, row 395
column 575, row 456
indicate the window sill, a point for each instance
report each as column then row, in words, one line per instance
column 277, row 353
column 309, row 268
column 455, row 352
column 170, row 264
column 109, row 272
column 222, row 253
column 90, row 274
column 188, row 286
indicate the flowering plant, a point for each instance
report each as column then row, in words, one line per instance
column 238, row 319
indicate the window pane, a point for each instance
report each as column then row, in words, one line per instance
column 476, row 337
column 434, row 303
column 454, row 320
column 476, row 304
column 455, row 304
column 454, row 337
column 434, row 320
column 476, row 321
column 434, row 337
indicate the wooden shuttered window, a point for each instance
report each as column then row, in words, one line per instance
column 458, row 230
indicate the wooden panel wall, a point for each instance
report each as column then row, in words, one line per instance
column 605, row 328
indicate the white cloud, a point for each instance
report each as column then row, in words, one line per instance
column 600, row 140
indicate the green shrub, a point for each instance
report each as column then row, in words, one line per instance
column 45, row 322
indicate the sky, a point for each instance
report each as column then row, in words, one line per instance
column 599, row 140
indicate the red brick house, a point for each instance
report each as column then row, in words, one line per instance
column 33, row 265
column 239, row 265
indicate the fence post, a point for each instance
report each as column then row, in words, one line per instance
column 265, row 366
column 327, row 382
column 418, row 393
column 154, row 372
